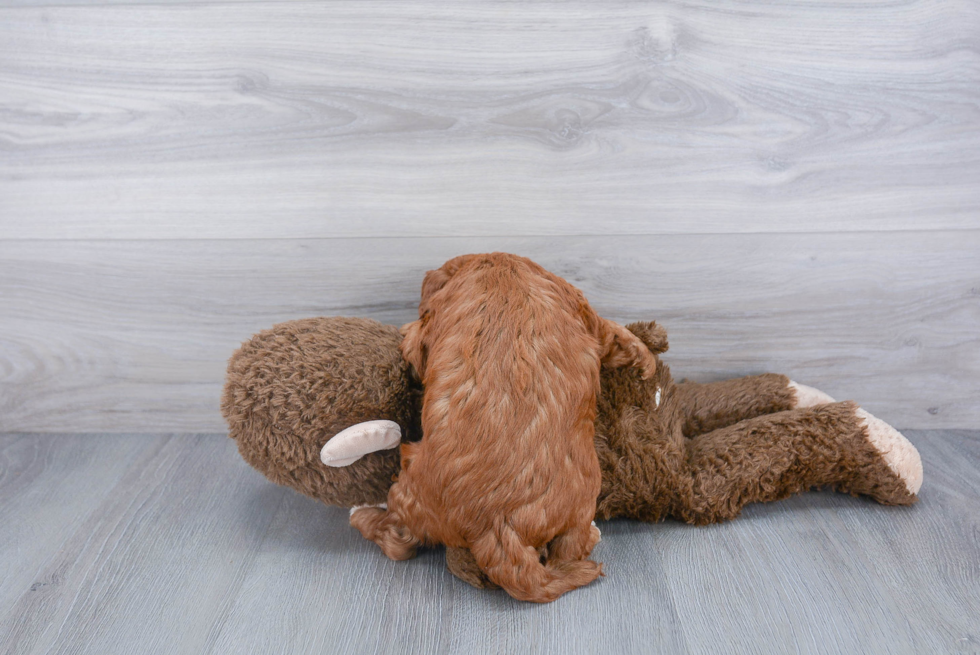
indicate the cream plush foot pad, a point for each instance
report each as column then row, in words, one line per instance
column 353, row 443
column 898, row 452
column 808, row 396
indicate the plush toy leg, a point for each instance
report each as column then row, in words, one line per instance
column 707, row 407
column 774, row 456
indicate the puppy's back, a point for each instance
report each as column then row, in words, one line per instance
column 511, row 376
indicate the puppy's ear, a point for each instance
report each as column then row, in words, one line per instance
column 412, row 347
column 620, row 347
column 433, row 282
column 437, row 279
column 653, row 335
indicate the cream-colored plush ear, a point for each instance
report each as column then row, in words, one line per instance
column 353, row 443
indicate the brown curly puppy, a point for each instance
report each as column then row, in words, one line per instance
column 509, row 356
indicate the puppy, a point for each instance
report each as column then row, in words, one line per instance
column 509, row 356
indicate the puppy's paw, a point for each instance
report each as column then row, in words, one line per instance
column 358, row 508
column 595, row 536
column 367, row 519
column 377, row 525
column 620, row 347
column 647, row 363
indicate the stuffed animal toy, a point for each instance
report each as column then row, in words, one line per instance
column 320, row 404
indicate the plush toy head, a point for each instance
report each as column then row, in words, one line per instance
column 290, row 389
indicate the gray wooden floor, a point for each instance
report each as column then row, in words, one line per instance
column 171, row 544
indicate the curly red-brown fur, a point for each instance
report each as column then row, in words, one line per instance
column 509, row 355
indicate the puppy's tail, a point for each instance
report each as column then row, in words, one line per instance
column 517, row 568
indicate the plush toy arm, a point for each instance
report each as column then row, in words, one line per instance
column 707, row 407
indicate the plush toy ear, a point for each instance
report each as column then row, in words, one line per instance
column 353, row 443
column 653, row 335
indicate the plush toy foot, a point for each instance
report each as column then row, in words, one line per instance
column 897, row 451
column 808, row 396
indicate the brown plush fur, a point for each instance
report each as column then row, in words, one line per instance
column 700, row 456
column 291, row 388
column 715, row 405
column 653, row 470
column 509, row 355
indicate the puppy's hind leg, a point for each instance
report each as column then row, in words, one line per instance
column 516, row 567
column 381, row 527
column 575, row 544
column 386, row 528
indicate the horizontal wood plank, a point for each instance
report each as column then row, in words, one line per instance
column 134, row 335
column 350, row 119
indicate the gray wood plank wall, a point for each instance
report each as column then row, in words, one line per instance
column 786, row 186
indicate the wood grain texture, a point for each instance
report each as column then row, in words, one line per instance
column 828, row 575
column 159, row 518
column 134, row 336
column 49, row 487
column 342, row 119
column 192, row 551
